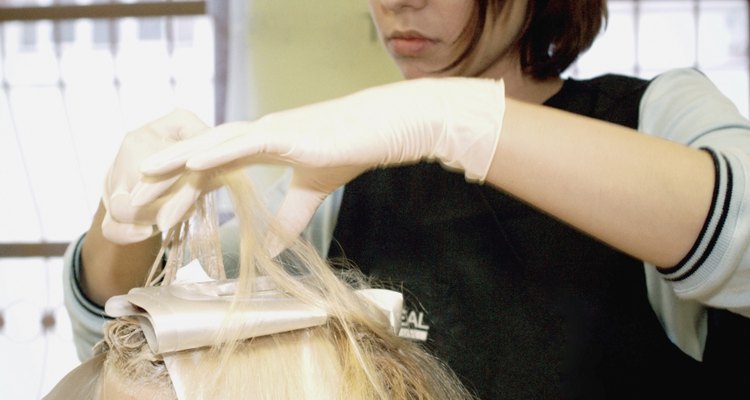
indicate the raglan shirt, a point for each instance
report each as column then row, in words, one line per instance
column 680, row 105
column 684, row 106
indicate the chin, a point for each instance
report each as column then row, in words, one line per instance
column 411, row 70
column 415, row 73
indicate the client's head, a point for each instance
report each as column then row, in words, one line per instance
column 130, row 370
column 311, row 363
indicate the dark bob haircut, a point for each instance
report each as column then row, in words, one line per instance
column 554, row 34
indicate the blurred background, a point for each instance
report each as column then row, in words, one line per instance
column 76, row 75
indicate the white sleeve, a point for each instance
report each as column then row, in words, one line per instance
column 684, row 106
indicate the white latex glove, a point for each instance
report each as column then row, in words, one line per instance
column 124, row 223
column 455, row 121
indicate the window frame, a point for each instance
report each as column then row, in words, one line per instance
column 60, row 12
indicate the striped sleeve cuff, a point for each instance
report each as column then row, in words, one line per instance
column 705, row 255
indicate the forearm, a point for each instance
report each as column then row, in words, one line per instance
column 109, row 269
column 646, row 196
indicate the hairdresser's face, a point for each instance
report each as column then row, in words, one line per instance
column 423, row 36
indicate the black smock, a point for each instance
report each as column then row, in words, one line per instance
column 520, row 305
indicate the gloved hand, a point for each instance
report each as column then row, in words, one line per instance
column 124, row 223
column 456, row 121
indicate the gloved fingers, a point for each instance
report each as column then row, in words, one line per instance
column 118, row 206
column 179, row 125
column 175, row 209
column 283, row 138
column 166, row 210
column 177, row 206
column 305, row 194
column 127, row 221
column 239, row 149
column 226, row 147
column 293, row 216
column 125, row 233
column 149, row 189
column 137, row 145
column 120, row 210
column 175, row 156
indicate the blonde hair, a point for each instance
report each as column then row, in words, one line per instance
column 354, row 355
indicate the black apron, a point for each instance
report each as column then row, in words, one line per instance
column 520, row 305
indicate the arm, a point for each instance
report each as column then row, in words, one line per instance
column 108, row 269
column 654, row 194
column 644, row 195
column 94, row 270
column 121, row 245
column 586, row 172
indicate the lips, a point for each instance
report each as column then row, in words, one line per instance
column 408, row 44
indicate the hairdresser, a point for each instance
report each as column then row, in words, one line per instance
column 556, row 238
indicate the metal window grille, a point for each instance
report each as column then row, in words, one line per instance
column 73, row 79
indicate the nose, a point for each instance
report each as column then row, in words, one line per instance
column 397, row 5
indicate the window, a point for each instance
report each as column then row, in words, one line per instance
column 72, row 83
column 644, row 38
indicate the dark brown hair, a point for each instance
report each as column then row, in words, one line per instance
column 554, row 34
